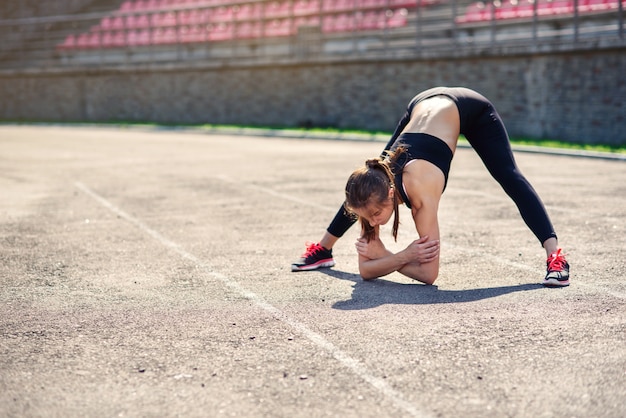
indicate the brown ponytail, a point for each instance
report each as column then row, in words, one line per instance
column 370, row 184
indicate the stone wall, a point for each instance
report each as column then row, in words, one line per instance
column 573, row 96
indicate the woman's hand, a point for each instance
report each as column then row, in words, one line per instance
column 372, row 250
column 422, row 251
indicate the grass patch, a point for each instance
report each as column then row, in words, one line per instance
column 330, row 131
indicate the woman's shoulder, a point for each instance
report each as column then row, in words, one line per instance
column 422, row 181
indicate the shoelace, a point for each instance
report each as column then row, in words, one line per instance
column 556, row 261
column 311, row 248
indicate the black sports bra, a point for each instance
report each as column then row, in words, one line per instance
column 420, row 146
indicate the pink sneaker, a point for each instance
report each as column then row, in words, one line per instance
column 313, row 258
column 558, row 270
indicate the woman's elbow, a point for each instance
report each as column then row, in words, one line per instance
column 428, row 276
column 365, row 275
column 429, row 279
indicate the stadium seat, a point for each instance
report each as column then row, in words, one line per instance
column 113, row 39
column 525, row 9
column 397, row 18
column 220, row 32
column 344, row 22
column 278, row 27
column 163, row 19
column 554, row 7
column 248, row 11
column 221, row 14
column 249, row 30
column 112, row 22
column 507, row 10
column 164, row 36
column 306, row 21
column 306, row 7
column 372, row 20
column 338, row 5
column 276, row 9
column 68, row 43
column 598, row 5
column 476, row 12
column 128, row 5
column 192, row 34
column 137, row 21
column 139, row 37
column 194, row 17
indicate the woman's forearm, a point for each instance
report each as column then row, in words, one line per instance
column 373, row 268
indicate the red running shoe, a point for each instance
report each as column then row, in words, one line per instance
column 313, row 258
column 558, row 270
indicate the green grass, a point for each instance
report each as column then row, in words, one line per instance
column 334, row 132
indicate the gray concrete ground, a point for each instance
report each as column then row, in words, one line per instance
column 146, row 273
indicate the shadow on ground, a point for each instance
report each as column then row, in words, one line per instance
column 370, row 294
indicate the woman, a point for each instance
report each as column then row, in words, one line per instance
column 414, row 170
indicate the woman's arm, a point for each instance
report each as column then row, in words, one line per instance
column 427, row 224
column 375, row 260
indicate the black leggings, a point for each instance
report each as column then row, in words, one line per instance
column 484, row 130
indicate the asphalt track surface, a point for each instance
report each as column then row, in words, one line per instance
column 147, row 273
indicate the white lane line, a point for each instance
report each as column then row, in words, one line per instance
column 471, row 251
column 351, row 363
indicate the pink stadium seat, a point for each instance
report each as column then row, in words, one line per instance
column 397, row 18
column 113, row 39
column 221, row 14
column 277, row 9
column 68, row 43
column 338, row 5
column 139, row 38
column 191, row 34
column 220, row 32
column 93, row 40
column 306, row 7
column 306, row 21
column 476, row 12
column 128, row 5
column 164, row 36
column 554, row 7
column 507, row 10
column 524, row 9
column 193, row 17
column 598, row 5
column 163, row 19
column 112, row 22
column 278, row 27
column 248, row 11
column 365, row 4
column 249, row 30
column 372, row 20
column 344, row 22
column 137, row 21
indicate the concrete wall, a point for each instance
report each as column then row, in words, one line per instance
column 578, row 97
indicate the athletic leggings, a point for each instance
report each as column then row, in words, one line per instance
column 483, row 128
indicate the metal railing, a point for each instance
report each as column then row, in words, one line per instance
column 222, row 32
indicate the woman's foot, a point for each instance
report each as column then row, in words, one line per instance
column 313, row 258
column 557, row 270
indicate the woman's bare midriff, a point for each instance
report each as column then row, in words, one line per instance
column 437, row 116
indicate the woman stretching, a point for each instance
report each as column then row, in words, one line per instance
column 413, row 170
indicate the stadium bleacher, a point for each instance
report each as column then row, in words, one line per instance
column 526, row 9
column 139, row 32
column 160, row 22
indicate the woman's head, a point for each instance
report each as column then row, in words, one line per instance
column 370, row 195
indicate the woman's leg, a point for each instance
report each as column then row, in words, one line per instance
column 489, row 138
